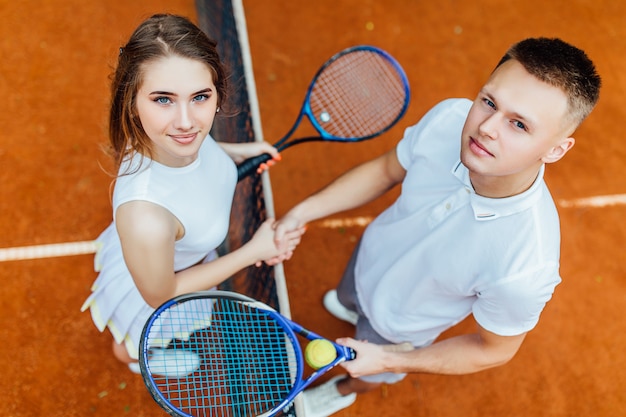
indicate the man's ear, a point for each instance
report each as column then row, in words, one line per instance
column 558, row 151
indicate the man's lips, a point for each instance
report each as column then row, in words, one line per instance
column 478, row 149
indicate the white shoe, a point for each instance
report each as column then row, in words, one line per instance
column 325, row 399
column 170, row 363
column 334, row 307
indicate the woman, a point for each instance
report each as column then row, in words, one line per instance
column 175, row 184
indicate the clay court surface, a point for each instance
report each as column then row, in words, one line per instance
column 56, row 58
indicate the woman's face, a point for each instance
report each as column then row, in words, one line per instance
column 176, row 105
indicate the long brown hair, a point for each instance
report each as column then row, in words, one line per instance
column 159, row 36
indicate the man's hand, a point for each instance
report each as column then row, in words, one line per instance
column 371, row 358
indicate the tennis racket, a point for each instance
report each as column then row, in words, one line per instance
column 358, row 94
column 218, row 353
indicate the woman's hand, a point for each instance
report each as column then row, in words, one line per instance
column 265, row 248
column 239, row 152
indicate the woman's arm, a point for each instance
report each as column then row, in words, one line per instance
column 148, row 233
column 239, row 152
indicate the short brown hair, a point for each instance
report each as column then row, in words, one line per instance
column 562, row 65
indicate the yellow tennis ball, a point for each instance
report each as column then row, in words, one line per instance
column 319, row 353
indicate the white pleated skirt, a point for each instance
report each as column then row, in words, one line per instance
column 115, row 302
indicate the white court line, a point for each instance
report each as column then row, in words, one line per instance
column 48, row 251
column 90, row 246
column 597, row 201
column 347, row 222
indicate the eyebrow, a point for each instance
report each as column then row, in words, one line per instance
column 167, row 93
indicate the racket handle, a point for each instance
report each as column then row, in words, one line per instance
column 348, row 353
column 351, row 354
column 250, row 165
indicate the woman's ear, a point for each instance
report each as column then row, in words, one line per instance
column 558, row 151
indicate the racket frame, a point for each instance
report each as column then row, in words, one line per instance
column 290, row 328
column 248, row 166
column 307, row 110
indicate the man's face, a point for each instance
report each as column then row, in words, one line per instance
column 516, row 124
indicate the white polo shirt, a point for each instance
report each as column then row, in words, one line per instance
column 442, row 252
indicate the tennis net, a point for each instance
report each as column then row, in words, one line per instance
column 216, row 18
column 224, row 21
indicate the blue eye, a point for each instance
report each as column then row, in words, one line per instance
column 201, row 97
column 518, row 125
column 489, row 103
column 163, row 100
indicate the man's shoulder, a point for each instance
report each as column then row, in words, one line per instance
column 445, row 118
column 449, row 106
column 437, row 135
column 443, row 115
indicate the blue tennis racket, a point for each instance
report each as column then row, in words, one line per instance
column 219, row 353
column 358, row 94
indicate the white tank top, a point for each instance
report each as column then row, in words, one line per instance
column 200, row 195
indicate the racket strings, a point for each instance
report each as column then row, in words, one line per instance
column 358, row 95
column 246, row 361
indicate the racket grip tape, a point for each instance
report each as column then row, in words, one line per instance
column 250, row 165
column 346, row 352
column 351, row 354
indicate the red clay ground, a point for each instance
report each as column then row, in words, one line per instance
column 56, row 57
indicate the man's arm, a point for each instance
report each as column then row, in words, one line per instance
column 356, row 187
column 457, row 355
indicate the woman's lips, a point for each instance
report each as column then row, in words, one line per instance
column 184, row 139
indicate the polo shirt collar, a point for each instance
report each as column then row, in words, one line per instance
column 492, row 208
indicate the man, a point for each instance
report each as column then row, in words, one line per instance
column 474, row 230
